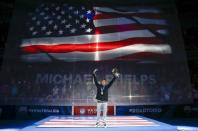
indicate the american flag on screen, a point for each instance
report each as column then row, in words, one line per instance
column 77, row 33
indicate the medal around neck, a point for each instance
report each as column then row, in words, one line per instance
column 102, row 89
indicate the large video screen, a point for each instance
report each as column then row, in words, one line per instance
column 54, row 46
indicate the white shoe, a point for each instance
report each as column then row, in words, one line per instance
column 97, row 124
column 105, row 125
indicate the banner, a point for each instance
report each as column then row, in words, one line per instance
column 91, row 110
column 36, row 112
column 152, row 111
column 159, row 111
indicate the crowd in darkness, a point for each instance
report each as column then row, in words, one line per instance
column 165, row 88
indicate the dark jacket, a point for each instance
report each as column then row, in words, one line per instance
column 99, row 96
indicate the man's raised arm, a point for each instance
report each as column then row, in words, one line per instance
column 115, row 75
column 94, row 76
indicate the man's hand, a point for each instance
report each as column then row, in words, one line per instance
column 115, row 72
column 94, row 72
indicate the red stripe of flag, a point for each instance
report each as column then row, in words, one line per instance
column 91, row 47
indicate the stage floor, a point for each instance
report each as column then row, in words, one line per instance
column 124, row 123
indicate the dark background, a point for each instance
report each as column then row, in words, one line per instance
column 187, row 12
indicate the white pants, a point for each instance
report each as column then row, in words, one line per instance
column 101, row 106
